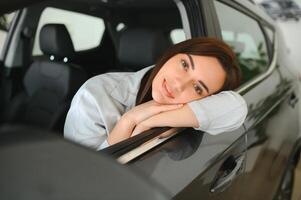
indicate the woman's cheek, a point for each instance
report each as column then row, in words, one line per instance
column 157, row 96
column 190, row 97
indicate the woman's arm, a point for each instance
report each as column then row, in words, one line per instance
column 83, row 123
column 215, row 114
column 124, row 127
column 182, row 117
column 121, row 131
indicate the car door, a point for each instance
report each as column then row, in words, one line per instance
column 270, row 92
column 194, row 164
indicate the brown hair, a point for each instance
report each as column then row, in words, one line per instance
column 196, row 46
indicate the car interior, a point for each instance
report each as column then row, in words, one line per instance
column 54, row 55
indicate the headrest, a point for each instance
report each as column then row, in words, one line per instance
column 55, row 40
column 139, row 47
column 58, row 78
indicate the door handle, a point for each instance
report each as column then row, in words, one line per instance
column 226, row 176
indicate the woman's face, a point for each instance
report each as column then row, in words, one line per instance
column 184, row 78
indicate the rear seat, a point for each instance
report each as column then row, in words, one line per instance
column 48, row 85
column 140, row 47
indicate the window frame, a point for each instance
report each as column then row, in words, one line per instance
column 271, row 47
column 270, row 42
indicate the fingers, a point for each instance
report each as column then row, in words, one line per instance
column 148, row 109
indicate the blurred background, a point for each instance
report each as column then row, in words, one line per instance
column 287, row 15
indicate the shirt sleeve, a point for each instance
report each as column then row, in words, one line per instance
column 83, row 122
column 222, row 112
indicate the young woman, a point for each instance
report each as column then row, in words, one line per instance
column 112, row 107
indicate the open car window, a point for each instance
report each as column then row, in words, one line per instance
column 173, row 28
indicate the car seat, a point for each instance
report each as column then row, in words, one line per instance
column 140, row 47
column 49, row 85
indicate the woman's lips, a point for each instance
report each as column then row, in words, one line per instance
column 167, row 91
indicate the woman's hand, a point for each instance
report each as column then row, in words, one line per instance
column 131, row 119
column 182, row 117
column 146, row 110
column 143, row 126
column 148, row 124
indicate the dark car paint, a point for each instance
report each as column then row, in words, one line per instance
column 36, row 164
column 183, row 162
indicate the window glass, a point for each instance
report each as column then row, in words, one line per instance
column 5, row 23
column 246, row 38
column 177, row 35
column 85, row 31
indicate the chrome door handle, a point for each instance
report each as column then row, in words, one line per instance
column 223, row 181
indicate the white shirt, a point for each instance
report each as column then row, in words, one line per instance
column 103, row 99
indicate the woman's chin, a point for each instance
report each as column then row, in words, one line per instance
column 157, row 97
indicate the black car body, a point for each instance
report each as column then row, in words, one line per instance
column 253, row 162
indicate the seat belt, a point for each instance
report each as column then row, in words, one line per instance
column 27, row 36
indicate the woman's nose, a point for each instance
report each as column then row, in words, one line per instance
column 181, row 83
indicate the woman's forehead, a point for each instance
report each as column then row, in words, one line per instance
column 208, row 70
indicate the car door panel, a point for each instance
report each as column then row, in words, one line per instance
column 272, row 129
column 181, row 163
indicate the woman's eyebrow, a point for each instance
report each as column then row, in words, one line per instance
column 204, row 85
column 191, row 61
column 192, row 66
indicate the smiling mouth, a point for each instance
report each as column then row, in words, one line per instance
column 167, row 91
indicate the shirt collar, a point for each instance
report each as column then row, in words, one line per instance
column 127, row 89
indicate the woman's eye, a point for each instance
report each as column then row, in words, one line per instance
column 184, row 65
column 198, row 89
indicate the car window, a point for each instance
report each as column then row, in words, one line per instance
column 5, row 23
column 85, row 31
column 246, row 38
column 177, row 35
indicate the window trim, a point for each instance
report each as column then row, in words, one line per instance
column 268, row 40
column 143, row 148
column 244, row 88
column 241, row 8
column 184, row 17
